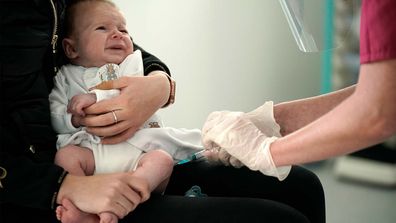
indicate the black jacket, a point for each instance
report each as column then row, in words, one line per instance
column 27, row 62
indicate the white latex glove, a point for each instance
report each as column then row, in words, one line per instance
column 246, row 137
column 263, row 118
column 221, row 155
column 214, row 153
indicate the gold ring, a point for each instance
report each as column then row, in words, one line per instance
column 114, row 117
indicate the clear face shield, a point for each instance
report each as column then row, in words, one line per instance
column 311, row 22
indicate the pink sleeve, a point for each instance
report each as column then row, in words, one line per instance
column 378, row 30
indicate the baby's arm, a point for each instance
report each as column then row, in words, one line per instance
column 77, row 105
column 79, row 102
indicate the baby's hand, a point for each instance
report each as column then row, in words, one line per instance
column 79, row 102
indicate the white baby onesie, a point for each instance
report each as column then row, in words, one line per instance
column 72, row 80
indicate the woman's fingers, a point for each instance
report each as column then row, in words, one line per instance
column 125, row 193
column 141, row 187
column 124, row 203
column 118, row 118
column 115, row 130
column 111, row 125
column 127, row 201
column 105, row 119
column 105, row 106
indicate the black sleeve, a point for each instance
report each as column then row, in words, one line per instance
column 28, row 175
column 28, row 183
column 151, row 62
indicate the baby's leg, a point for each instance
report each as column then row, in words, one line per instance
column 156, row 167
column 68, row 213
column 77, row 161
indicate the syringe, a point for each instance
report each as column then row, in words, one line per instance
column 195, row 156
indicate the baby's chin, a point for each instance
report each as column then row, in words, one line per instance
column 102, row 63
column 115, row 59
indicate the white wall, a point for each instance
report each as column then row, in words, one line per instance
column 224, row 54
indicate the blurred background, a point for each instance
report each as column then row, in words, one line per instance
column 224, row 54
column 237, row 54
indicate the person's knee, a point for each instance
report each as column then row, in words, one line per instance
column 311, row 192
column 311, row 180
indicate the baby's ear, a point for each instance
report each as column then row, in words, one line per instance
column 68, row 47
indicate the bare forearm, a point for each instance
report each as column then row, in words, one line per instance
column 365, row 118
column 328, row 136
column 294, row 115
column 159, row 79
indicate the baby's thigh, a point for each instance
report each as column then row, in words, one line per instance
column 157, row 157
column 75, row 159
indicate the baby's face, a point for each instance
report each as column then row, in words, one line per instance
column 101, row 35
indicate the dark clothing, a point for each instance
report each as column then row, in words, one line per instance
column 234, row 195
column 27, row 150
column 301, row 190
column 26, row 71
column 27, row 62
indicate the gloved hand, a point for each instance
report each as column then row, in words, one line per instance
column 213, row 152
column 246, row 137
column 221, row 155
column 263, row 118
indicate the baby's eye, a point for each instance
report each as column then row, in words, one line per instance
column 101, row 28
column 124, row 31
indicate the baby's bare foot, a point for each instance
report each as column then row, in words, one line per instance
column 69, row 213
column 59, row 211
column 108, row 217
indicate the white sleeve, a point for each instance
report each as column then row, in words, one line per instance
column 105, row 94
column 61, row 120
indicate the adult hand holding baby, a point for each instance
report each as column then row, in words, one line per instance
column 117, row 119
column 118, row 193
